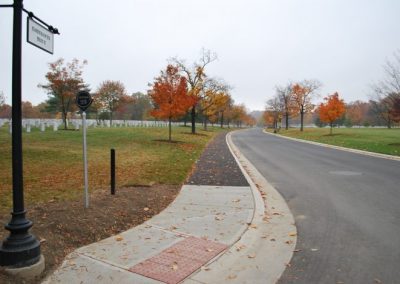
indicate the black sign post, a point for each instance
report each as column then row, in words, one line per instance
column 84, row 100
column 20, row 248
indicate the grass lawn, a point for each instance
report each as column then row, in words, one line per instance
column 378, row 140
column 53, row 167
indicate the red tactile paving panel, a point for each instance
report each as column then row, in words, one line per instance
column 177, row 262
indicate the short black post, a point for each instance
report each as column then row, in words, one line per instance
column 112, row 171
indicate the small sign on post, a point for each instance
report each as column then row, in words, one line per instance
column 84, row 100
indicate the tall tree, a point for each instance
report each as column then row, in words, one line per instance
column 2, row 99
column 170, row 96
column 286, row 97
column 64, row 80
column 110, row 95
column 274, row 109
column 140, row 107
column 387, row 91
column 195, row 76
column 214, row 98
column 303, row 93
column 357, row 112
column 5, row 109
column 331, row 110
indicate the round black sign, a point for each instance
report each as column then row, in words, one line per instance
column 83, row 100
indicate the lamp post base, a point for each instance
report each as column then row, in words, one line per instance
column 27, row 273
column 20, row 248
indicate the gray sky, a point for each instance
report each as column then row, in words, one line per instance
column 260, row 43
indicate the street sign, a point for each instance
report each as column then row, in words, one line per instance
column 39, row 36
column 83, row 100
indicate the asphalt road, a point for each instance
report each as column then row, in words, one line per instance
column 346, row 207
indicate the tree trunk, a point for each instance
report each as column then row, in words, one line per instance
column 111, row 117
column 287, row 120
column 205, row 123
column 193, row 114
column 169, row 129
column 222, row 119
column 64, row 117
column 331, row 124
column 301, row 118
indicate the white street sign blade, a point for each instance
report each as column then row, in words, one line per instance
column 39, row 36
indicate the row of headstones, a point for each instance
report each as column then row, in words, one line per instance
column 28, row 124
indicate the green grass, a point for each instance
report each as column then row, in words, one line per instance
column 378, row 140
column 53, row 166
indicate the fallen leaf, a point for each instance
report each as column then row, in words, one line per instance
column 146, row 209
column 175, row 266
column 376, row 280
column 236, row 200
column 205, row 268
column 289, row 242
column 292, row 234
column 240, row 247
column 253, row 226
column 297, row 250
column 232, row 276
column 118, row 238
column 209, row 250
column 218, row 218
column 42, row 240
column 253, row 255
column 314, row 249
column 272, row 240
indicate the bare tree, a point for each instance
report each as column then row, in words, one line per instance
column 276, row 108
column 195, row 76
column 2, row 98
column 387, row 91
column 285, row 95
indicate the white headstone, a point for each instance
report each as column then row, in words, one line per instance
column 42, row 127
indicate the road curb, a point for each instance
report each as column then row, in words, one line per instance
column 362, row 152
column 272, row 233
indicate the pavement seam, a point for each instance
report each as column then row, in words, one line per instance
column 356, row 151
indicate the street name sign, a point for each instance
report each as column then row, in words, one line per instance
column 39, row 36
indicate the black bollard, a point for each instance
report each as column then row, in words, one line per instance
column 112, row 171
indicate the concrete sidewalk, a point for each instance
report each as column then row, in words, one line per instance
column 209, row 234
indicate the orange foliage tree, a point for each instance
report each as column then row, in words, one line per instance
column 303, row 93
column 332, row 109
column 170, row 96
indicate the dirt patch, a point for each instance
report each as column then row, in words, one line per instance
column 63, row 226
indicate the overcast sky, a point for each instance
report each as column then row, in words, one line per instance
column 260, row 43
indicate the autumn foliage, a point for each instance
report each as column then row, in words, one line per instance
column 332, row 109
column 170, row 96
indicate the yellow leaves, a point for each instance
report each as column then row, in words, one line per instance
column 118, row 238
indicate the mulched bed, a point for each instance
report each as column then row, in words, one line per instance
column 217, row 166
column 63, row 226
